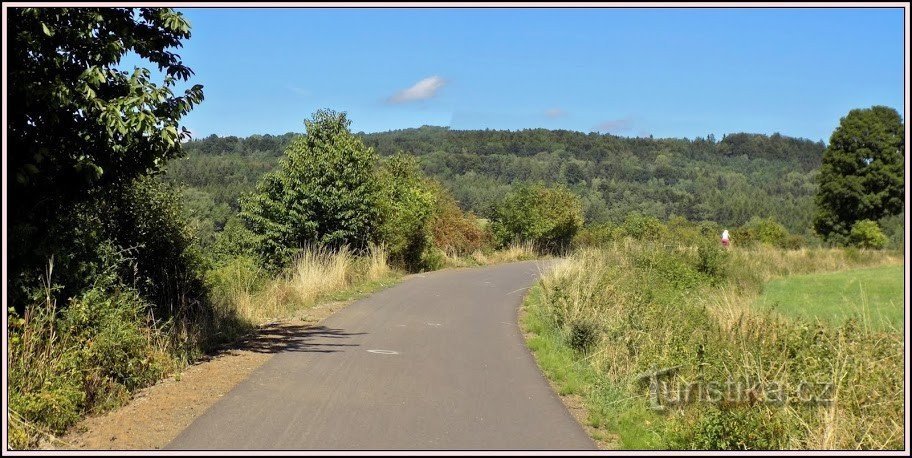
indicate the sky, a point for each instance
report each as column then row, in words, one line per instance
column 629, row 72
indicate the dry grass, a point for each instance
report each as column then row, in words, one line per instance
column 315, row 273
column 513, row 253
column 632, row 297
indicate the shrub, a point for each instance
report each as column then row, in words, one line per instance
column 233, row 241
column 407, row 204
column 434, row 259
column 734, row 429
column 867, row 234
column 325, row 191
column 597, row 235
column 148, row 223
column 583, row 335
column 546, row 217
column 642, row 227
column 455, row 232
column 84, row 358
column 764, row 231
column 712, row 260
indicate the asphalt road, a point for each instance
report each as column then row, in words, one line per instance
column 435, row 363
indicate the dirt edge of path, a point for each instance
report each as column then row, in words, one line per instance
column 157, row 414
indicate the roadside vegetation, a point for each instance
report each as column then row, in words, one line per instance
column 605, row 316
column 114, row 284
column 674, row 342
column 127, row 262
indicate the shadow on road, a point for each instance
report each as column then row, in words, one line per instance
column 288, row 337
column 298, row 338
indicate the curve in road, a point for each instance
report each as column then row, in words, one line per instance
column 437, row 362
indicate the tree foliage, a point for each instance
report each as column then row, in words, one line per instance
column 79, row 124
column 861, row 177
column 324, row 192
column 867, row 234
column 546, row 217
column 407, row 204
column 729, row 181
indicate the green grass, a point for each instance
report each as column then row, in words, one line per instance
column 616, row 418
column 873, row 295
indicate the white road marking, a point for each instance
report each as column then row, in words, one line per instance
column 517, row 290
column 384, row 352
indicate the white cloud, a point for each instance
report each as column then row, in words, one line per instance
column 555, row 113
column 299, row 91
column 422, row 90
column 616, row 126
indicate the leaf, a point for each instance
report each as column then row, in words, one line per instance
column 47, row 30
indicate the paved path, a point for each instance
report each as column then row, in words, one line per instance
column 436, row 362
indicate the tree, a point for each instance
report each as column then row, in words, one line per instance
column 861, row 176
column 324, row 192
column 407, row 204
column 546, row 217
column 78, row 124
column 867, row 234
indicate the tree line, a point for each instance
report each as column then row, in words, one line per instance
column 729, row 181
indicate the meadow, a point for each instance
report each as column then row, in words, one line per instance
column 643, row 333
column 875, row 295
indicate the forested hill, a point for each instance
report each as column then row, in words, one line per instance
column 728, row 181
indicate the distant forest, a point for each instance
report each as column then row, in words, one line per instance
column 729, row 181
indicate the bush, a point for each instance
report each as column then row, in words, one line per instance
column 765, row 231
column 712, row 260
column 85, row 358
column 867, row 234
column 138, row 232
column 407, row 204
column 734, row 429
column 148, row 223
column 235, row 240
column 642, row 227
column 583, row 335
column 597, row 235
column 546, row 217
column 455, row 232
column 325, row 192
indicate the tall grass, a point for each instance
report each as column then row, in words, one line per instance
column 85, row 358
column 242, row 288
column 517, row 251
column 629, row 309
column 88, row 357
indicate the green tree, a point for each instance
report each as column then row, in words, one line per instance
column 867, row 234
column 546, row 217
column 407, row 204
column 324, row 192
column 77, row 122
column 861, row 176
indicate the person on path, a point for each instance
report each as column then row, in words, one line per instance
column 725, row 240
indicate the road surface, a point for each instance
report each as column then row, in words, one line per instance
column 435, row 363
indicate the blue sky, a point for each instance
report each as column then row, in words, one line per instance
column 630, row 72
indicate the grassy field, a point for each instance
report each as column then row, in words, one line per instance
column 603, row 317
column 873, row 295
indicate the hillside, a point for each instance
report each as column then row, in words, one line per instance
column 728, row 181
